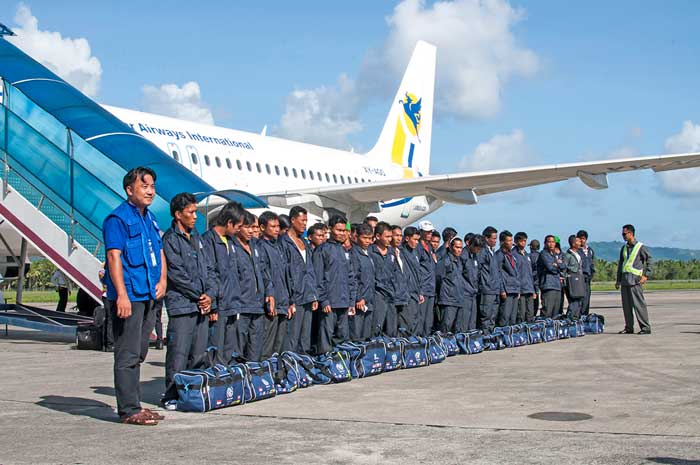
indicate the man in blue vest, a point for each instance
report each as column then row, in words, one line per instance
column 192, row 283
column 135, row 279
column 633, row 270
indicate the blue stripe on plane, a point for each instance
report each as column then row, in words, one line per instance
column 397, row 202
column 410, row 155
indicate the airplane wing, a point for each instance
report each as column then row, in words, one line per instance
column 465, row 188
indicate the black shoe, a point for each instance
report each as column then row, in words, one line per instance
column 648, row 331
column 625, row 331
column 159, row 344
column 109, row 348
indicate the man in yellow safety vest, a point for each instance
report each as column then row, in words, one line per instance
column 633, row 270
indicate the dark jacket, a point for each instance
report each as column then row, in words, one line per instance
column 190, row 272
column 303, row 279
column 384, row 271
column 334, row 275
column 470, row 271
column 509, row 272
column 427, row 270
column 525, row 276
column 363, row 268
column 401, row 277
column 411, row 268
column 642, row 262
column 253, row 277
column 223, row 258
column 588, row 263
column 276, row 263
column 490, row 281
column 550, row 270
column 450, row 281
column 534, row 257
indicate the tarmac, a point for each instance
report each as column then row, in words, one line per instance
column 600, row 399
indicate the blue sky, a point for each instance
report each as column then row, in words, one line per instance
column 570, row 82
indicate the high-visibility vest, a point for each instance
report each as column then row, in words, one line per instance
column 629, row 260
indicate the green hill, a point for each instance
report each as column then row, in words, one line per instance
column 610, row 251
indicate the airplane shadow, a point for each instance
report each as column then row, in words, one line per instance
column 673, row 461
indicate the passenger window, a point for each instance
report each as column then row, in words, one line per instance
column 206, row 160
column 335, row 179
column 320, row 178
column 267, row 168
column 311, row 175
column 303, row 174
column 176, row 156
column 228, row 164
column 294, row 172
column 194, row 158
column 328, row 179
column 218, row 162
column 247, row 165
column 277, row 170
column 238, row 164
column 286, row 171
column 342, row 179
column 257, row 166
column 357, row 181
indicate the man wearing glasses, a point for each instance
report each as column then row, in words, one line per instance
column 633, row 270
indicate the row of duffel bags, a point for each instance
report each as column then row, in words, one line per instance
column 222, row 384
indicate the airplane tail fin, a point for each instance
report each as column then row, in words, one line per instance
column 405, row 138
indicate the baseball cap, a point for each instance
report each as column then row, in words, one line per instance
column 426, row 226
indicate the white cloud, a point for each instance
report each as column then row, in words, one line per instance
column 477, row 55
column 502, row 151
column 683, row 182
column 179, row 102
column 477, row 51
column 324, row 115
column 70, row 58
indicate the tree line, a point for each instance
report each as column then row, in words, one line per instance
column 661, row 270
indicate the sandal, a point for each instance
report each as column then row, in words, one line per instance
column 154, row 415
column 142, row 419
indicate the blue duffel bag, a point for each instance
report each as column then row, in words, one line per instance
column 594, row 323
column 393, row 358
column 353, row 354
column 448, row 342
column 436, row 351
column 284, row 374
column 414, row 352
column 471, row 342
column 261, row 384
column 330, row 368
column 521, row 335
column 562, row 326
column 368, row 357
column 204, row 389
column 494, row 341
column 535, row 332
column 550, row 329
column 507, row 333
column 302, row 365
column 576, row 329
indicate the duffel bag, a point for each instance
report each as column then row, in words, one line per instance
column 535, row 332
column 448, row 342
column 576, row 328
column 562, row 328
column 284, row 374
column 471, row 342
column 331, row 368
column 494, row 341
column 436, row 351
column 393, row 358
column 302, row 365
column 507, row 333
column 261, row 384
column 550, row 330
column 218, row 386
column 520, row 335
column 366, row 358
column 414, row 352
column 594, row 323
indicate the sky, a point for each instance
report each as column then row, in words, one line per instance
column 518, row 84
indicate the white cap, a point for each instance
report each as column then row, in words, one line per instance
column 426, row 226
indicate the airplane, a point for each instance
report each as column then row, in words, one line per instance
column 392, row 181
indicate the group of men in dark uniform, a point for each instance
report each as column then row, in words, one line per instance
column 255, row 286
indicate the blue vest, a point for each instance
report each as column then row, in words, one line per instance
column 141, row 261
